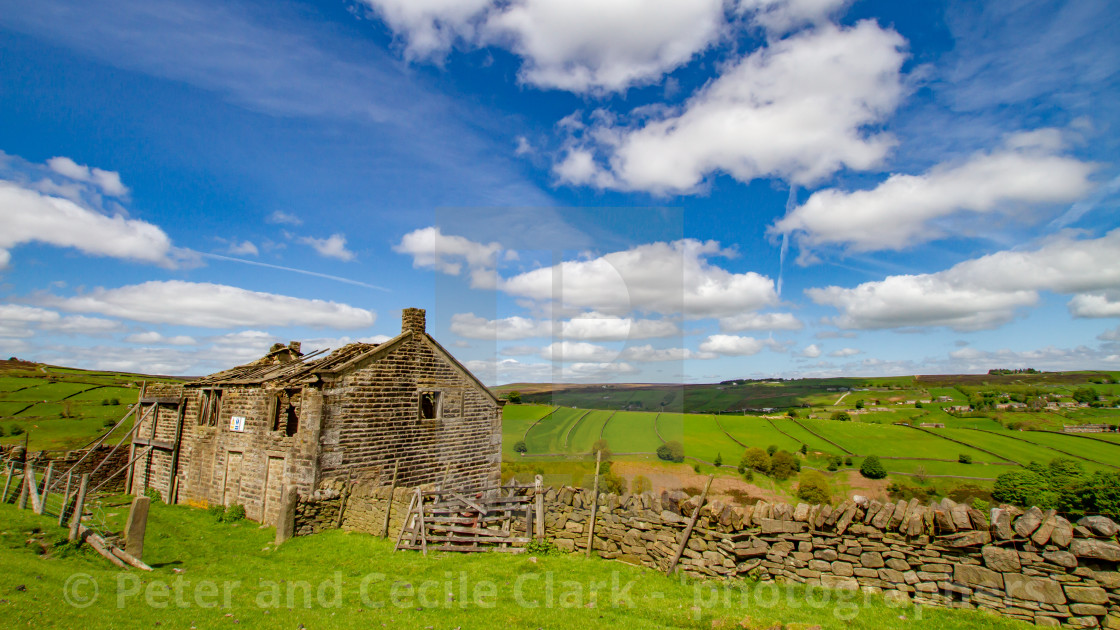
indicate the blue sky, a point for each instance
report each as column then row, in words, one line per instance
column 634, row 190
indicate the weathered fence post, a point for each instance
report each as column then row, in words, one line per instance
column 46, row 488
column 79, row 506
column 691, row 524
column 135, row 527
column 33, row 492
column 389, row 505
column 22, row 504
column 594, row 504
column 538, row 484
column 10, row 469
column 286, row 523
column 65, row 501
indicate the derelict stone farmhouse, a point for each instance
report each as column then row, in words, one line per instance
column 289, row 420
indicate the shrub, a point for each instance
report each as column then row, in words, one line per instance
column 696, row 468
column 640, row 484
column 542, row 547
column 2, row 434
column 514, row 398
column 791, row 413
column 612, row 484
column 234, row 513
column 1019, row 487
column 898, row 491
column 603, row 447
column 964, row 459
column 520, row 447
column 834, row 463
column 16, row 430
column 784, row 465
column 847, row 461
column 755, row 459
column 218, row 511
column 842, row 416
column 719, row 460
column 671, row 452
column 804, row 449
column 748, row 475
column 153, row 495
column 770, row 450
column 859, row 404
column 812, row 487
column 872, row 468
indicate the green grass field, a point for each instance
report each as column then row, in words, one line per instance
column 630, row 432
column 349, row 581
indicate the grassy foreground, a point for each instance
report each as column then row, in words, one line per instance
column 213, row 575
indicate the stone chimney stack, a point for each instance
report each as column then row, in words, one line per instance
column 413, row 319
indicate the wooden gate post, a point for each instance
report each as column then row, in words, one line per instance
column 594, row 503
column 79, row 506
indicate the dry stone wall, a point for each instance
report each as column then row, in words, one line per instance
column 1032, row 565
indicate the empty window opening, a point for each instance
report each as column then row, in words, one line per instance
column 429, row 405
column 210, row 408
column 286, row 412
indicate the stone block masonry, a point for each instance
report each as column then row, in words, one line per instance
column 1034, row 565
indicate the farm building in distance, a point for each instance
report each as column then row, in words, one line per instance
column 289, row 420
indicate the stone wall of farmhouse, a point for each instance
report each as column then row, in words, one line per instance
column 221, row 466
column 372, row 422
column 1032, row 565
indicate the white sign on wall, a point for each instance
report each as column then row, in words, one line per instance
column 237, row 423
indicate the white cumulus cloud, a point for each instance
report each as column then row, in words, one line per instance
column 903, row 209
column 986, row 292
column 735, row 345
column 664, row 278
column 798, row 108
column 334, row 246
column 431, row 248
column 29, row 216
column 760, row 321
column 108, row 181
column 211, row 305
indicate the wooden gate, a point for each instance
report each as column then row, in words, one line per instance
column 493, row 519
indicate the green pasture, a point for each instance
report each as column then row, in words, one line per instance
column 583, row 435
column 1080, row 447
column 757, row 432
column 632, row 432
column 547, row 435
column 704, row 440
column 670, row 426
column 872, row 439
column 1005, row 445
column 798, row 432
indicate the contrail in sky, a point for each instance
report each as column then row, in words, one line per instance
column 294, row 270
